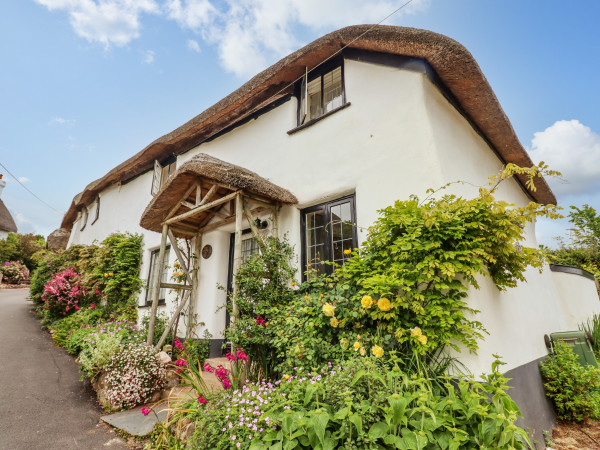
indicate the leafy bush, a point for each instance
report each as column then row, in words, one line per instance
column 97, row 358
column 49, row 263
column 115, row 269
column 133, row 375
column 22, row 248
column 573, row 388
column 63, row 328
column 14, row 272
column 365, row 403
column 64, row 294
column 160, row 324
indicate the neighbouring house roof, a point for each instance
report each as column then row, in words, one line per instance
column 208, row 171
column 7, row 222
column 455, row 66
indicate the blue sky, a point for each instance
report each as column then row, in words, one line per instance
column 88, row 83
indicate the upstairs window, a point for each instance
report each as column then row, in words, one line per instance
column 328, row 234
column 162, row 174
column 321, row 92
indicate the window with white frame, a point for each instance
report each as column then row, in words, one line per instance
column 328, row 234
column 153, row 273
column 321, row 92
column 161, row 174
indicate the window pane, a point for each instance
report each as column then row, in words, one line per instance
column 249, row 248
column 332, row 89
column 314, row 98
column 154, row 270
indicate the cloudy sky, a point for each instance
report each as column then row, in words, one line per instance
column 86, row 84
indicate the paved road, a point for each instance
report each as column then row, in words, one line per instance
column 43, row 405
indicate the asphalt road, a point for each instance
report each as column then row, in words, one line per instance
column 43, row 405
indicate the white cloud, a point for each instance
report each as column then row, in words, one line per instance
column 148, row 57
column 21, row 219
column 104, row 21
column 573, row 149
column 193, row 45
column 250, row 34
column 23, row 179
column 61, row 121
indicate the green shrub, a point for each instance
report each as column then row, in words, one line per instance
column 97, row 358
column 573, row 387
column 22, row 248
column 84, row 318
column 592, row 326
column 364, row 403
column 159, row 327
column 14, row 272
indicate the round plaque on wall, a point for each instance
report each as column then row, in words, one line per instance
column 206, row 251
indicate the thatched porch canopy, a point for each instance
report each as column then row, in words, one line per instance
column 205, row 188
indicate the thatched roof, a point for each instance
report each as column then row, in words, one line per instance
column 208, row 171
column 58, row 239
column 7, row 222
column 455, row 66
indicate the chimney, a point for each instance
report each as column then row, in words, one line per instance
column 2, row 184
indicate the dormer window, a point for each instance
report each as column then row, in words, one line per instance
column 321, row 92
column 162, row 172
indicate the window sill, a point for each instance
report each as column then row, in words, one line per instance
column 313, row 121
column 149, row 305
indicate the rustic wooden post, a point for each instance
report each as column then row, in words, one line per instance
column 184, row 299
column 276, row 210
column 156, row 291
column 237, row 248
column 195, row 269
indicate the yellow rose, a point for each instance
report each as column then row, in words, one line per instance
column 110, row 274
column 176, row 264
column 356, row 345
column 347, row 251
column 293, row 284
column 377, row 351
column 416, row 331
column 366, row 301
column 362, row 351
column 287, row 377
column 328, row 309
column 422, row 339
column 105, row 275
column 384, row 304
column 334, row 322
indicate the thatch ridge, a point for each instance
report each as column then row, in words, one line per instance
column 455, row 66
column 209, row 168
column 58, row 239
column 7, row 223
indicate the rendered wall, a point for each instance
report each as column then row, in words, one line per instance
column 578, row 298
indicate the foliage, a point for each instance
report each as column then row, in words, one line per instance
column 14, row 272
column 574, row 388
column 133, row 375
column 64, row 294
column 161, row 322
column 583, row 248
column 592, row 326
column 97, row 358
column 366, row 403
column 119, row 260
column 264, row 282
column 194, row 350
column 22, row 248
column 49, row 263
column 64, row 328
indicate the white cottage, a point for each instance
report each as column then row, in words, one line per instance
column 332, row 133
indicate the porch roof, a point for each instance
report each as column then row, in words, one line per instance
column 204, row 188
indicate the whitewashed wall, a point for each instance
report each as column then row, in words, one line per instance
column 578, row 299
column 398, row 137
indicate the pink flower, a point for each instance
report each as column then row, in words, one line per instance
column 97, row 292
column 260, row 320
column 201, row 399
column 241, row 355
column 230, row 357
column 181, row 362
column 145, row 411
column 208, row 368
column 178, row 344
column 77, row 307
